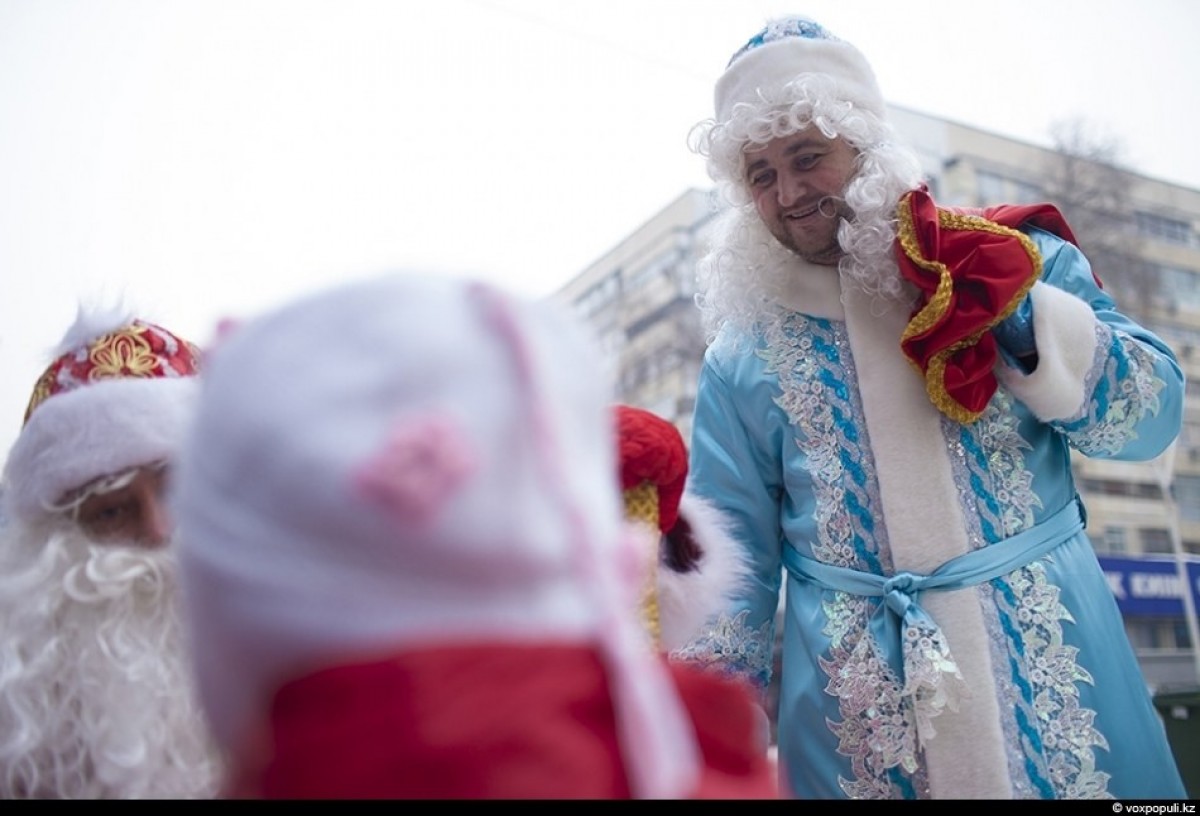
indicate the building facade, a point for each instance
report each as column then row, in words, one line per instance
column 1143, row 238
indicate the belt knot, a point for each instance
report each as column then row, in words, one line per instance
column 899, row 592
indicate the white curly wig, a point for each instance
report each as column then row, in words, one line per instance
column 741, row 276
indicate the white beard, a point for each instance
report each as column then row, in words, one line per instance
column 96, row 697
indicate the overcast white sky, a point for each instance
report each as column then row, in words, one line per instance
column 211, row 158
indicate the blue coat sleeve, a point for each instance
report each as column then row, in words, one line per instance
column 735, row 465
column 1109, row 385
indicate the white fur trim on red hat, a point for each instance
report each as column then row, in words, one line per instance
column 102, row 428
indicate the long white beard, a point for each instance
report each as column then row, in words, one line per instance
column 96, row 692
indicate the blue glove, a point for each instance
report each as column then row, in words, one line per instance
column 1015, row 332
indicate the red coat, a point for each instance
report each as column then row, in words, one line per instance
column 488, row 722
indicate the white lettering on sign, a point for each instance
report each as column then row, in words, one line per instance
column 1154, row 585
column 1115, row 584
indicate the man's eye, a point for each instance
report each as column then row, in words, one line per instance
column 107, row 516
column 761, row 179
column 806, row 161
column 112, row 512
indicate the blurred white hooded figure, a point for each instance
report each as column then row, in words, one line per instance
column 96, row 697
column 407, row 566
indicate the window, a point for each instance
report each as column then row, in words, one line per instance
column 1155, row 540
column 1157, row 633
column 1180, row 337
column 1163, row 228
column 661, row 266
column 599, row 296
column 1111, row 487
column 1187, row 497
column 991, row 187
column 1025, row 193
column 1183, row 639
column 1144, row 634
column 1114, row 540
column 1181, row 286
column 995, row 189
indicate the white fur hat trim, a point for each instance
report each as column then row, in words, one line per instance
column 103, row 428
column 756, row 76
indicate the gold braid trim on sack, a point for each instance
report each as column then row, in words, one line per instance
column 936, row 309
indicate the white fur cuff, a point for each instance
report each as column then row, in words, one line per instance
column 1065, row 329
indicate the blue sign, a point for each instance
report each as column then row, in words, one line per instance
column 1150, row 586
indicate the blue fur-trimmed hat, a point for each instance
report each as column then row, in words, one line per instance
column 786, row 48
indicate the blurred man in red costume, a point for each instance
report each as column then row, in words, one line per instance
column 95, row 691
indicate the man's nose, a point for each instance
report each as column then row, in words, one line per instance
column 154, row 524
column 790, row 189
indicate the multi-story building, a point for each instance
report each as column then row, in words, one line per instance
column 1143, row 237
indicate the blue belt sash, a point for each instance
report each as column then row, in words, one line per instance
column 901, row 615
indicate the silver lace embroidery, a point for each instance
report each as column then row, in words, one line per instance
column 878, row 729
column 1123, row 389
column 1037, row 675
column 880, row 736
column 731, row 646
column 987, row 458
column 1030, row 604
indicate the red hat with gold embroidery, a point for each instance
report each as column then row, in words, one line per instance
column 116, row 396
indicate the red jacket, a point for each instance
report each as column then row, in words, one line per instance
column 488, row 722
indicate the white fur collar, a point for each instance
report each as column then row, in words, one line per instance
column 925, row 528
column 811, row 289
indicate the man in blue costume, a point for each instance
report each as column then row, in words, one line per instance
column 886, row 411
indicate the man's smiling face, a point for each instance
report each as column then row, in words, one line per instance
column 797, row 182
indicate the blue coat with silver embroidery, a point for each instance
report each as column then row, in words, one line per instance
column 817, row 436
